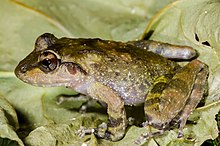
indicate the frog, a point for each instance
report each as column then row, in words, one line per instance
column 121, row 74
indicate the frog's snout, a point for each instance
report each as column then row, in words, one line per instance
column 21, row 69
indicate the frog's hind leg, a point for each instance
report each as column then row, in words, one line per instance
column 170, row 97
column 199, row 89
column 152, row 104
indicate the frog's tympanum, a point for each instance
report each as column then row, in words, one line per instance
column 121, row 74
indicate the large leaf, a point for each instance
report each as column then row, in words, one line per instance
column 23, row 20
column 9, row 123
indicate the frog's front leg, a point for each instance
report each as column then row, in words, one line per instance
column 176, row 98
column 115, row 107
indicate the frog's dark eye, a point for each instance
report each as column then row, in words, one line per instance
column 48, row 61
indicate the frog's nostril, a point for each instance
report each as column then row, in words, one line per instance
column 24, row 69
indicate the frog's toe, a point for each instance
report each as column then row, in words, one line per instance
column 82, row 131
column 101, row 130
column 180, row 134
column 145, row 136
column 141, row 139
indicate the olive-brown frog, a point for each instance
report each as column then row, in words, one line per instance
column 121, row 74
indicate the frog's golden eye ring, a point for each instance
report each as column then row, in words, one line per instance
column 48, row 61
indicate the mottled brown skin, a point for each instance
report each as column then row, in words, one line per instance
column 118, row 74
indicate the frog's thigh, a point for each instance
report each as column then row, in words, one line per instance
column 161, row 107
column 115, row 109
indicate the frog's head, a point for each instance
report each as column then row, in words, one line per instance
column 44, row 66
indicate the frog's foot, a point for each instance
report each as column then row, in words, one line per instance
column 82, row 131
column 101, row 130
column 110, row 132
column 145, row 136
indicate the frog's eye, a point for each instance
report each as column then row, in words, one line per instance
column 48, row 61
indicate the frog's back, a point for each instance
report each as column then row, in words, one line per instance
column 128, row 70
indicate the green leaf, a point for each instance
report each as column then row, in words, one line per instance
column 116, row 19
column 22, row 21
column 8, row 124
